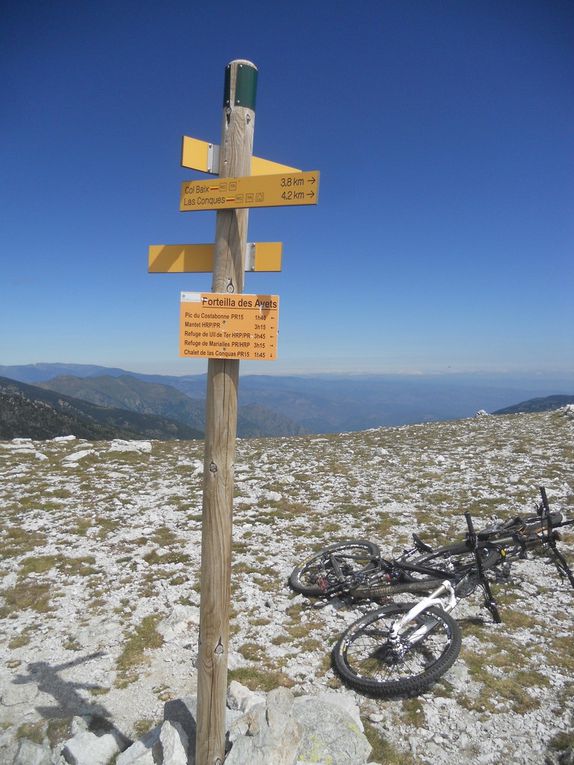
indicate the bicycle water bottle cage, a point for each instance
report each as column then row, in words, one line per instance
column 420, row 545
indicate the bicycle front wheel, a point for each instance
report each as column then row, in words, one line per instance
column 367, row 659
column 325, row 572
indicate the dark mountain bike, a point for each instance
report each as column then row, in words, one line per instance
column 401, row 648
column 357, row 568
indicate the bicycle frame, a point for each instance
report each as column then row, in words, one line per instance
column 434, row 599
column 401, row 566
column 464, row 564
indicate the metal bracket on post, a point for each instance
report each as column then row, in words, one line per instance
column 213, row 159
column 250, row 256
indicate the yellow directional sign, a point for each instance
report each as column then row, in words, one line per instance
column 251, row 191
column 199, row 155
column 204, row 156
column 219, row 325
column 198, row 258
column 260, row 166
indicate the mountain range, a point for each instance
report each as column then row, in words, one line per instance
column 127, row 392
column 545, row 404
column 29, row 411
column 289, row 405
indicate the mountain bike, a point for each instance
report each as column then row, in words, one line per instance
column 357, row 568
column 401, row 649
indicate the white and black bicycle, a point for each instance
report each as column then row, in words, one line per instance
column 401, row 648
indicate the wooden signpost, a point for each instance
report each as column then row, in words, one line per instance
column 226, row 326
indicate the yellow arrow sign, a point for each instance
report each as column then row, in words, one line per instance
column 279, row 190
column 204, row 156
column 198, row 258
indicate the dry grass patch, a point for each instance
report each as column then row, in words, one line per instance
column 22, row 639
column 165, row 537
column 32, row 731
column 155, row 558
column 413, row 712
column 28, row 595
column 562, row 652
column 143, row 637
column 382, row 750
column 252, row 651
column 18, row 541
column 81, row 566
column 508, row 685
column 259, row 680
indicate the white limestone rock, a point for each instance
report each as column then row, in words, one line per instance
column 87, row 748
column 146, row 751
column 31, row 753
column 174, row 743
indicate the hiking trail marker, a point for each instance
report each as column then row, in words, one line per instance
column 277, row 190
column 198, row 258
column 224, row 326
column 229, row 326
column 204, row 156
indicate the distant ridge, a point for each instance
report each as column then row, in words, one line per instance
column 32, row 373
column 545, row 404
column 27, row 411
column 127, row 392
column 275, row 405
column 138, row 395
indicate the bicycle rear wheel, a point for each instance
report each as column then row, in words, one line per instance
column 366, row 658
column 318, row 575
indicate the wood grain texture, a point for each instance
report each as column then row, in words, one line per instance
column 220, row 439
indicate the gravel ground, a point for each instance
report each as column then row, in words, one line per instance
column 100, row 593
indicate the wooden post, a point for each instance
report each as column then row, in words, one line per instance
column 221, row 429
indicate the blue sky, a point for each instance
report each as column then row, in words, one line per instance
column 442, row 129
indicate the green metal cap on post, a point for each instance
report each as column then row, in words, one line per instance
column 245, row 85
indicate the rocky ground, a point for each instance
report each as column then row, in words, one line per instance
column 100, row 563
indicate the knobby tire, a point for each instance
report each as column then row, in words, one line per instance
column 365, row 659
column 354, row 556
